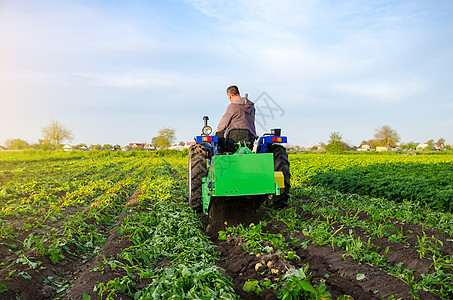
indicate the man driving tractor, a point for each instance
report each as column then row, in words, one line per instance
column 240, row 113
column 251, row 177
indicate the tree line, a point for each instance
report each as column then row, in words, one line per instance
column 384, row 136
column 55, row 134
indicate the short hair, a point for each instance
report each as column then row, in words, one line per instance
column 233, row 90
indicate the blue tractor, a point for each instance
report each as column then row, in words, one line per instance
column 226, row 174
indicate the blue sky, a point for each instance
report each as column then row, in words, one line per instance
column 118, row 71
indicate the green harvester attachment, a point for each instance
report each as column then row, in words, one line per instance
column 243, row 173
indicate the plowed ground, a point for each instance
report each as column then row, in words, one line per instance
column 326, row 263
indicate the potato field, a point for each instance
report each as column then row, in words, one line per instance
column 114, row 225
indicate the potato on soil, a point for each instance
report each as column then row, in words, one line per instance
column 260, row 267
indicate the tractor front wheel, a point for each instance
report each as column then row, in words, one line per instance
column 197, row 171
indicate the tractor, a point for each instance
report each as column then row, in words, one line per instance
column 225, row 174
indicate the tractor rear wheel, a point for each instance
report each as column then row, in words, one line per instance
column 281, row 163
column 197, row 171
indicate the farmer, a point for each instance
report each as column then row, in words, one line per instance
column 240, row 114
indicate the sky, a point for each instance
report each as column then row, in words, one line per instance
column 115, row 72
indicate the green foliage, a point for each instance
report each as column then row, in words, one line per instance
column 424, row 179
column 336, row 143
column 296, row 285
column 429, row 184
column 321, row 229
column 42, row 188
column 16, row 144
column 168, row 248
column 165, row 137
column 184, row 282
column 166, row 238
column 110, row 289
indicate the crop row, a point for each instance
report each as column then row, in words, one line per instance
column 335, row 220
column 427, row 184
column 167, row 248
column 51, row 195
column 424, row 179
column 44, row 225
column 353, row 224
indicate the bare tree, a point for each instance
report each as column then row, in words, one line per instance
column 386, row 136
column 55, row 133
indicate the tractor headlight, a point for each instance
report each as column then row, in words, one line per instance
column 207, row 130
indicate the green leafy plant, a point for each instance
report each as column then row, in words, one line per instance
column 188, row 283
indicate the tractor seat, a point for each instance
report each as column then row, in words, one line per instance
column 235, row 135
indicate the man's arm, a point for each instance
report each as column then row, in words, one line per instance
column 226, row 118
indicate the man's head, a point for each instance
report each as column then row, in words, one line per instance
column 233, row 93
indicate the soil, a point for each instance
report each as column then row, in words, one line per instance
column 326, row 263
column 88, row 275
column 76, row 271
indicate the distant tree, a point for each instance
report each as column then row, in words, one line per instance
column 154, row 141
column 314, row 148
column 117, row 147
column 107, row 147
column 35, row 146
column 55, row 133
column 430, row 142
column 386, row 136
column 411, row 145
column 441, row 143
column 448, row 147
column 96, row 147
column 165, row 137
column 181, row 143
column 336, row 143
column 371, row 142
column 138, row 148
column 16, row 144
column 43, row 145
